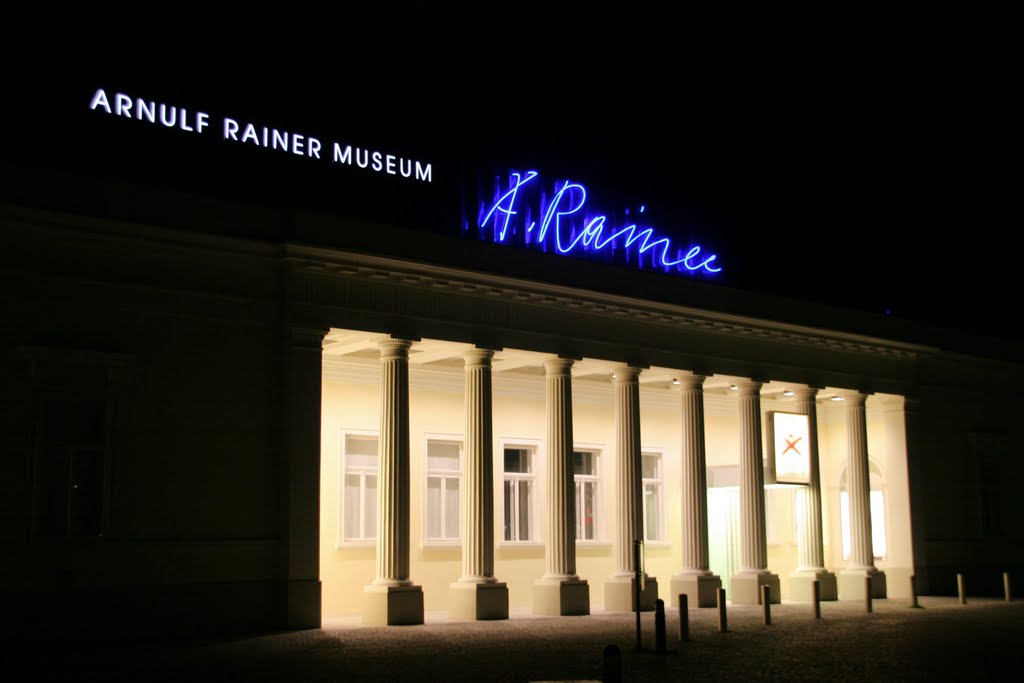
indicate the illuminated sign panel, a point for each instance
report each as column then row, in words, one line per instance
column 789, row 457
column 528, row 212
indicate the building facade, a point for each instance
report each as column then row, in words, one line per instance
column 242, row 416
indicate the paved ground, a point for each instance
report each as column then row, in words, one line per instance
column 941, row 641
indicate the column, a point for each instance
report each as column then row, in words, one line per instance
column 392, row 598
column 619, row 589
column 694, row 579
column 858, row 483
column 810, row 546
column 478, row 594
column 300, row 452
column 560, row 591
column 745, row 585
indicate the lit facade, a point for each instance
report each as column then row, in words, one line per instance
column 255, row 417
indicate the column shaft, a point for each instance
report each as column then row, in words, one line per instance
column 858, row 483
column 753, row 548
column 629, row 508
column 393, row 465
column 810, row 548
column 695, row 486
column 560, row 549
column 477, row 481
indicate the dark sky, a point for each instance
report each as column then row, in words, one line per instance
column 866, row 160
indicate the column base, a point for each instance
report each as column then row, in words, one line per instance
column 392, row 605
column 851, row 584
column 478, row 601
column 745, row 588
column 620, row 596
column 561, row 597
column 701, row 589
column 801, row 585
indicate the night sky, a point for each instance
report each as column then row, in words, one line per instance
column 867, row 161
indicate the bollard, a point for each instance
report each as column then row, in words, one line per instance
column 659, row 626
column 766, row 604
column 684, row 619
column 612, row 664
column 722, row 625
column 867, row 593
column 961, row 591
column 1006, row 586
column 913, row 592
column 816, row 592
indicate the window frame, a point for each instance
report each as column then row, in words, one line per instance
column 427, row 541
column 597, row 480
column 659, row 452
column 535, row 477
column 342, row 540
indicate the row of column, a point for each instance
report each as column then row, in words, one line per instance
column 392, row 598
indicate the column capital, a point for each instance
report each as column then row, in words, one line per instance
column 625, row 374
column 478, row 357
column 691, row 381
column 852, row 398
column 803, row 393
column 558, row 366
column 749, row 387
column 394, row 348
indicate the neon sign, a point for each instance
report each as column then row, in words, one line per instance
column 564, row 223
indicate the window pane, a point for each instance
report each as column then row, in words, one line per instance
column 451, row 510
column 434, row 507
column 52, row 511
column 524, row 511
column 352, row 506
column 582, row 462
column 651, row 510
column 877, row 524
column 443, row 456
column 370, row 507
column 87, row 493
column 650, row 466
column 588, row 510
column 361, row 451
column 508, row 509
column 517, row 460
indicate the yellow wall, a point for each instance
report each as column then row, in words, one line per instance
column 436, row 410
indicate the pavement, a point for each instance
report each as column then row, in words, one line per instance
column 942, row 640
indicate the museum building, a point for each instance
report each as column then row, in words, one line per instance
column 230, row 412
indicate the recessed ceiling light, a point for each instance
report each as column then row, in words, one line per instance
column 787, row 392
column 675, row 380
column 732, row 387
column 837, row 398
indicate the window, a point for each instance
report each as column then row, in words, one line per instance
column 877, row 503
column 71, row 463
column 585, row 472
column 360, row 489
column 518, row 493
column 651, row 474
column 444, row 475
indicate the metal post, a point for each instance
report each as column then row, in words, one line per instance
column 684, row 618
column 659, row 626
column 913, row 591
column 612, row 661
column 1006, row 586
column 766, row 604
column 722, row 625
column 867, row 593
column 961, row 589
column 816, row 592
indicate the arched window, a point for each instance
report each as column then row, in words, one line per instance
column 877, row 498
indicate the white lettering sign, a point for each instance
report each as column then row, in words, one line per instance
column 248, row 133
